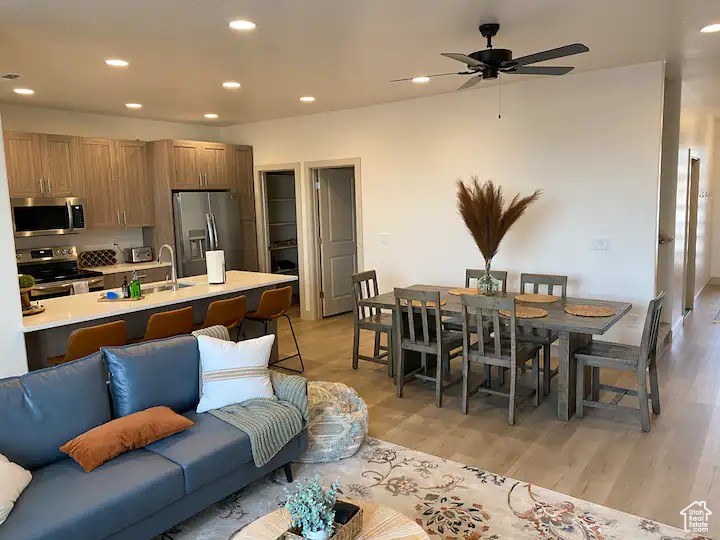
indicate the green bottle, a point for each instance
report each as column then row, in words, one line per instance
column 135, row 288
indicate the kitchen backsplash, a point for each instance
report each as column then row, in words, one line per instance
column 88, row 240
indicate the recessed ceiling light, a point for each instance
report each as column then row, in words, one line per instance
column 211, row 115
column 116, row 62
column 421, row 80
column 231, row 84
column 24, row 91
column 134, row 105
column 711, row 28
column 242, row 24
column 307, row 99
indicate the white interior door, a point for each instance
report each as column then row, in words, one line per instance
column 338, row 238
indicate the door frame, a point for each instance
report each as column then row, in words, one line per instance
column 261, row 217
column 313, row 227
column 691, row 222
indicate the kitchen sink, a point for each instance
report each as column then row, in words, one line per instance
column 166, row 287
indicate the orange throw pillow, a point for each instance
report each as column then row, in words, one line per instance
column 101, row 444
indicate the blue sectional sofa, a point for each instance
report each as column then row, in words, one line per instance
column 139, row 494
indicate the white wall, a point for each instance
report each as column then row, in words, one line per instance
column 12, row 342
column 41, row 120
column 591, row 141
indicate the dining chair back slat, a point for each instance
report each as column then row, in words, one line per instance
column 477, row 273
column 403, row 304
column 487, row 309
column 364, row 286
column 651, row 329
column 550, row 281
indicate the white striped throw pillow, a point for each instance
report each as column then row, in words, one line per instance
column 234, row 372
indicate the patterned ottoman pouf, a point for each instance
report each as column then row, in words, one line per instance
column 337, row 425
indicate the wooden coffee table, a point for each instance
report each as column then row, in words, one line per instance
column 379, row 523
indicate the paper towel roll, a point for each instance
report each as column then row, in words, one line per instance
column 215, row 266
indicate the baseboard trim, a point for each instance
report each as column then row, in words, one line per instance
column 714, row 281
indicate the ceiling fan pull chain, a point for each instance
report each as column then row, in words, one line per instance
column 499, row 98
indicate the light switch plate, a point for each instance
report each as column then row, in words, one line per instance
column 600, row 244
column 384, row 238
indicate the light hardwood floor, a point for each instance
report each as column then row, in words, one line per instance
column 603, row 458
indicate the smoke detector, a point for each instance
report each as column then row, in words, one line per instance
column 10, row 76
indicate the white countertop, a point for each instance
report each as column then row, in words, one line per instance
column 128, row 267
column 66, row 310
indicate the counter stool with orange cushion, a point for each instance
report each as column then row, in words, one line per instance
column 85, row 341
column 169, row 323
column 273, row 305
column 228, row 313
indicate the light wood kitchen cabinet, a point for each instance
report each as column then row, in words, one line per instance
column 136, row 201
column 59, row 160
column 202, row 165
column 117, row 191
column 41, row 165
column 102, row 189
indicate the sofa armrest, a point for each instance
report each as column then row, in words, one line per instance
column 293, row 389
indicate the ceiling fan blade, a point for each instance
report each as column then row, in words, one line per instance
column 560, row 52
column 429, row 76
column 539, row 70
column 471, row 82
column 464, row 58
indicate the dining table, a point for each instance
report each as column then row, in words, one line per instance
column 574, row 331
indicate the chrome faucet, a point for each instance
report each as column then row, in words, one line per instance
column 172, row 262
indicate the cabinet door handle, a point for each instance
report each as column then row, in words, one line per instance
column 200, row 179
column 42, row 187
column 125, row 217
column 118, row 217
column 49, row 185
column 206, row 180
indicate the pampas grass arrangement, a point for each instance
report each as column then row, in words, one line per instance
column 482, row 207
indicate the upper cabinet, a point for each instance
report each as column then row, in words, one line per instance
column 117, row 190
column 41, row 165
column 202, row 165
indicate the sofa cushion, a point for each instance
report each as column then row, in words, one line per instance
column 206, row 451
column 42, row 410
column 63, row 502
column 162, row 372
column 101, row 444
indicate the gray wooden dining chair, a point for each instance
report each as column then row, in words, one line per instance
column 541, row 284
column 419, row 329
column 372, row 319
column 503, row 352
column 477, row 273
column 618, row 356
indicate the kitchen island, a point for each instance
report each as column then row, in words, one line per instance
column 46, row 333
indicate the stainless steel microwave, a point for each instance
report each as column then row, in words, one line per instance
column 43, row 216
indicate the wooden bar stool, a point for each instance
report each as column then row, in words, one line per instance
column 169, row 323
column 273, row 305
column 372, row 319
column 85, row 341
column 228, row 313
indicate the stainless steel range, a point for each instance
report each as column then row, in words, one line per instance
column 55, row 270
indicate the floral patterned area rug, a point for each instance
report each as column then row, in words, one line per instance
column 449, row 500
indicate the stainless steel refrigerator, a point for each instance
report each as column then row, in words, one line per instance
column 205, row 221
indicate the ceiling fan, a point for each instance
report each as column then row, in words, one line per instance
column 490, row 63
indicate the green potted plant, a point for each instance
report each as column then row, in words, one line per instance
column 311, row 509
column 26, row 283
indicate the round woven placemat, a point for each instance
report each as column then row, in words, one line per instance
column 537, row 298
column 523, row 312
column 418, row 303
column 463, row 290
column 590, row 311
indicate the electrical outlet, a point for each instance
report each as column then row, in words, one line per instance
column 633, row 320
column 600, row 244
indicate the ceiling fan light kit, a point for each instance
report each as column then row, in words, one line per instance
column 489, row 63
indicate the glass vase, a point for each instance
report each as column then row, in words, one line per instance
column 487, row 285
